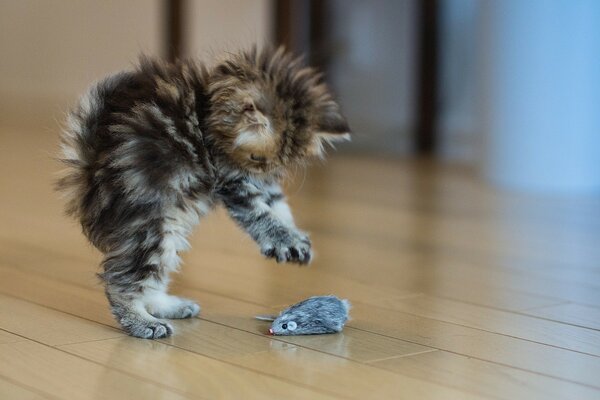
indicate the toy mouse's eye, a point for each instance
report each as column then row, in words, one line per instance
column 291, row 325
column 248, row 107
column 284, row 326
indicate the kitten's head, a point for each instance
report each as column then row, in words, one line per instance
column 268, row 112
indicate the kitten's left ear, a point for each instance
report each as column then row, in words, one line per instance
column 331, row 127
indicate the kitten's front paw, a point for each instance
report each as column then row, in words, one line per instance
column 295, row 249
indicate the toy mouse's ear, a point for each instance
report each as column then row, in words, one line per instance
column 269, row 318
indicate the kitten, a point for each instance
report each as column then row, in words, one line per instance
column 149, row 151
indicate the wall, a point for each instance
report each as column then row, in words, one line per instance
column 52, row 50
column 373, row 71
column 218, row 25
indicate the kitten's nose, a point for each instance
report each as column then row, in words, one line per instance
column 262, row 120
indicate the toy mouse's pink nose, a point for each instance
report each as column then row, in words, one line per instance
column 270, row 331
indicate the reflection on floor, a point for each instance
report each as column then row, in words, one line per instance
column 459, row 291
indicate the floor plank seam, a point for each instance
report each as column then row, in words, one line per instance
column 282, row 340
column 59, row 310
column 30, row 388
column 123, row 335
column 490, row 332
column 519, row 312
column 561, row 322
column 311, row 387
column 546, row 306
column 401, row 356
column 559, row 302
column 58, row 348
column 295, row 383
column 496, row 362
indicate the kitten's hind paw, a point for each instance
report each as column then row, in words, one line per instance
column 173, row 307
column 136, row 321
column 184, row 310
column 189, row 310
column 150, row 329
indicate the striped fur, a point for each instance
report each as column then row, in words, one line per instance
column 149, row 151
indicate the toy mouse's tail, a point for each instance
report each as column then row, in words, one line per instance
column 266, row 317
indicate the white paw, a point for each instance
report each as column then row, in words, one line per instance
column 173, row 307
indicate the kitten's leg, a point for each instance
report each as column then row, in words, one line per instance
column 176, row 227
column 130, row 312
column 262, row 211
column 131, row 273
column 279, row 240
column 137, row 277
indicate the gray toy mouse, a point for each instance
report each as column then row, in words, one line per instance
column 313, row 316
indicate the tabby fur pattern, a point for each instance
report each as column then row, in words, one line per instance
column 148, row 152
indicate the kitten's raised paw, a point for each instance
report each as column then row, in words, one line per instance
column 297, row 251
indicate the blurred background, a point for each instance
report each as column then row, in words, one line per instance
column 462, row 221
column 508, row 88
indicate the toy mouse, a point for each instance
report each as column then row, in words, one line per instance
column 313, row 316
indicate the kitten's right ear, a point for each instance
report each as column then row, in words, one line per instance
column 332, row 137
column 331, row 127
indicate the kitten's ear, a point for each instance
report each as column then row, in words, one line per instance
column 333, row 137
column 331, row 127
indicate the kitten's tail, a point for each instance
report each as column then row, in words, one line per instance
column 78, row 144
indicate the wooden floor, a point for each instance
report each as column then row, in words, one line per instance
column 459, row 292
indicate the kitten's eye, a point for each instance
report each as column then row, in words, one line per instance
column 249, row 107
column 259, row 159
column 292, row 325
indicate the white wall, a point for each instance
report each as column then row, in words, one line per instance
column 520, row 91
column 51, row 50
column 218, row 25
column 540, row 108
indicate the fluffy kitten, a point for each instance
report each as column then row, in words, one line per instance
column 149, row 151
